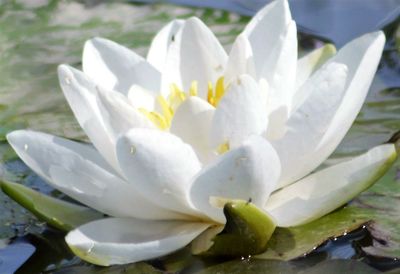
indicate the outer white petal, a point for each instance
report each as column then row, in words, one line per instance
column 279, row 68
column 247, row 172
column 240, row 113
column 192, row 122
column 118, row 115
column 320, row 123
column 196, row 55
column 81, row 95
column 159, row 165
column 330, row 188
column 309, row 63
column 240, row 60
column 266, row 30
column 121, row 241
column 159, row 47
column 80, row 172
column 115, row 67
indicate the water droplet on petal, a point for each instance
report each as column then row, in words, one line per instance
column 133, row 150
column 26, row 147
column 67, row 80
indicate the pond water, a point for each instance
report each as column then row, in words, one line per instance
column 36, row 36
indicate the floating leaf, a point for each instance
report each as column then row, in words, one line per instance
column 275, row 267
column 290, row 243
column 60, row 214
column 137, row 268
column 247, row 232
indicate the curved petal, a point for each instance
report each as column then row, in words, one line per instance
column 159, row 165
column 333, row 102
column 196, row 55
column 240, row 60
column 81, row 95
column 240, row 113
column 192, row 122
column 159, row 47
column 121, row 241
column 266, row 30
column 279, row 68
column 115, row 67
column 330, row 188
column 309, row 63
column 80, row 172
column 118, row 115
column 247, row 172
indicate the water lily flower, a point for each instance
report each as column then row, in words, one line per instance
column 191, row 123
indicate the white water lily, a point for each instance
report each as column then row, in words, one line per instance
column 190, row 123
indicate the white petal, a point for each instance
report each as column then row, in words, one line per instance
column 81, row 94
column 266, row 29
column 118, row 115
column 159, row 165
column 192, row 123
column 309, row 63
column 240, row 60
column 247, row 172
column 115, row 67
column 80, row 172
column 140, row 97
column 279, row 68
column 333, row 102
column 159, row 47
column 240, row 113
column 121, row 241
column 196, row 55
column 324, row 191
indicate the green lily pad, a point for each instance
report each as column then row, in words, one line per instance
column 246, row 232
column 275, row 267
column 57, row 213
column 383, row 203
column 293, row 242
column 138, row 268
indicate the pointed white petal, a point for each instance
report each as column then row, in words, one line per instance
column 196, row 55
column 240, row 113
column 279, row 69
column 266, row 31
column 309, row 63
column 324, row 191
column 118, row 115
column 140, row 97
column 240, row 60
column 159, row 47
column 115, row 67
column 80, row 172
column 81, row 94
column 159, row 165
column 333, row 102
column 192, row 123
column 121, row 241
column 247, row 172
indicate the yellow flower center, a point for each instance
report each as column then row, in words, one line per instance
column 176, row 96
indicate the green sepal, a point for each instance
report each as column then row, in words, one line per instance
column 55, row 212
column 246, row 232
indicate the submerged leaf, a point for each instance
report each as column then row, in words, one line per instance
column 60, row 214
column 247, row 232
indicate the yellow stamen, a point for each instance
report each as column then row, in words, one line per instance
column 167, row 111
column 156, row 118
column 193, row 89
column 176, row 97
column 221, row 149
column 214, row 98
